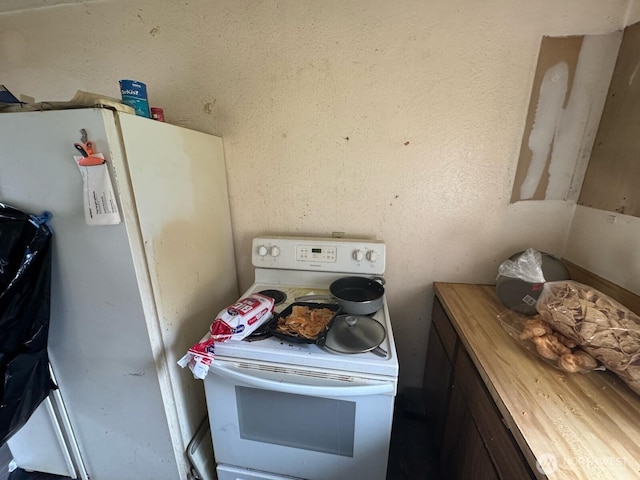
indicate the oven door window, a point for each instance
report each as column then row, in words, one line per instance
column 311, row 423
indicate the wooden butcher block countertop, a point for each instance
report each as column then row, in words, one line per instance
column 587, row 424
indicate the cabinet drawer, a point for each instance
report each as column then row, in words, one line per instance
column 445, row 329
column 507, row 458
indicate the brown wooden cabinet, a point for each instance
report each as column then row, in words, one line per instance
column 471, row 438
column 463, row 454
column 437, row 377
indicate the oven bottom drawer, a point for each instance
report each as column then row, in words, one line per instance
column 227, row 472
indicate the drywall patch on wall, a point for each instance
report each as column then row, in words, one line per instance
column 551, row 89
column 614, row 160
column 594, row 70
column 553, row 92
column 576, row 130
column 567, row 99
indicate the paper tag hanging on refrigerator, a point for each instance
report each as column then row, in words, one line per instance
column 100, row 206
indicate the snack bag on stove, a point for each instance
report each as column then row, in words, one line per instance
column 199, row 357
column 236, row 322
column 242, row 318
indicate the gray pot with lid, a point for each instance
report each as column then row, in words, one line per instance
column 520, row 295
column 355, row 334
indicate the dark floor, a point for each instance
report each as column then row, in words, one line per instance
column 19, row 474
column 411, row 455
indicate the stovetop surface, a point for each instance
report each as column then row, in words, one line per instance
column 277, row 350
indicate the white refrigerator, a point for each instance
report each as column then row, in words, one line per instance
column 127, row 299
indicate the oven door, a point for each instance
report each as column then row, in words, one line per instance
column 301, row 423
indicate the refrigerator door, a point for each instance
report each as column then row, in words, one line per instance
column 99, row 345
column 179, row 191
column 128, row 299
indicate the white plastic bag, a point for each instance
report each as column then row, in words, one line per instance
column 527, row 267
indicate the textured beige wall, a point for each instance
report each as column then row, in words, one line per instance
column 400, row 120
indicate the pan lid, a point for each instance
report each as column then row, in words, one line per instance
column 354, row 334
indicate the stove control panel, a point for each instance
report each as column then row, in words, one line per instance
column 317, row 253
column 320, row 254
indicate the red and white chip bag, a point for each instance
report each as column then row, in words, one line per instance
column 199, row 357
column 242, row 318
column 235, row 322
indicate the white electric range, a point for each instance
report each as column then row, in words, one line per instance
column 281, row 410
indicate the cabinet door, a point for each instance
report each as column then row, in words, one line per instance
column 448, row 335
column 463, row 455
column 437, row 380
column 506, row 456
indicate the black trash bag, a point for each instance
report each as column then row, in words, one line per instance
column 25, row 294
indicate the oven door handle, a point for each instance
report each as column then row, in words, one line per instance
column 228, row 371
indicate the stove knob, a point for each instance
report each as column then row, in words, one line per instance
column 372, row 255
column 262, row 250
column 358, row 255
column 275, row 251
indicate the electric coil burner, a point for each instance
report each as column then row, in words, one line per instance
column 343, row 401
column 278, row 295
